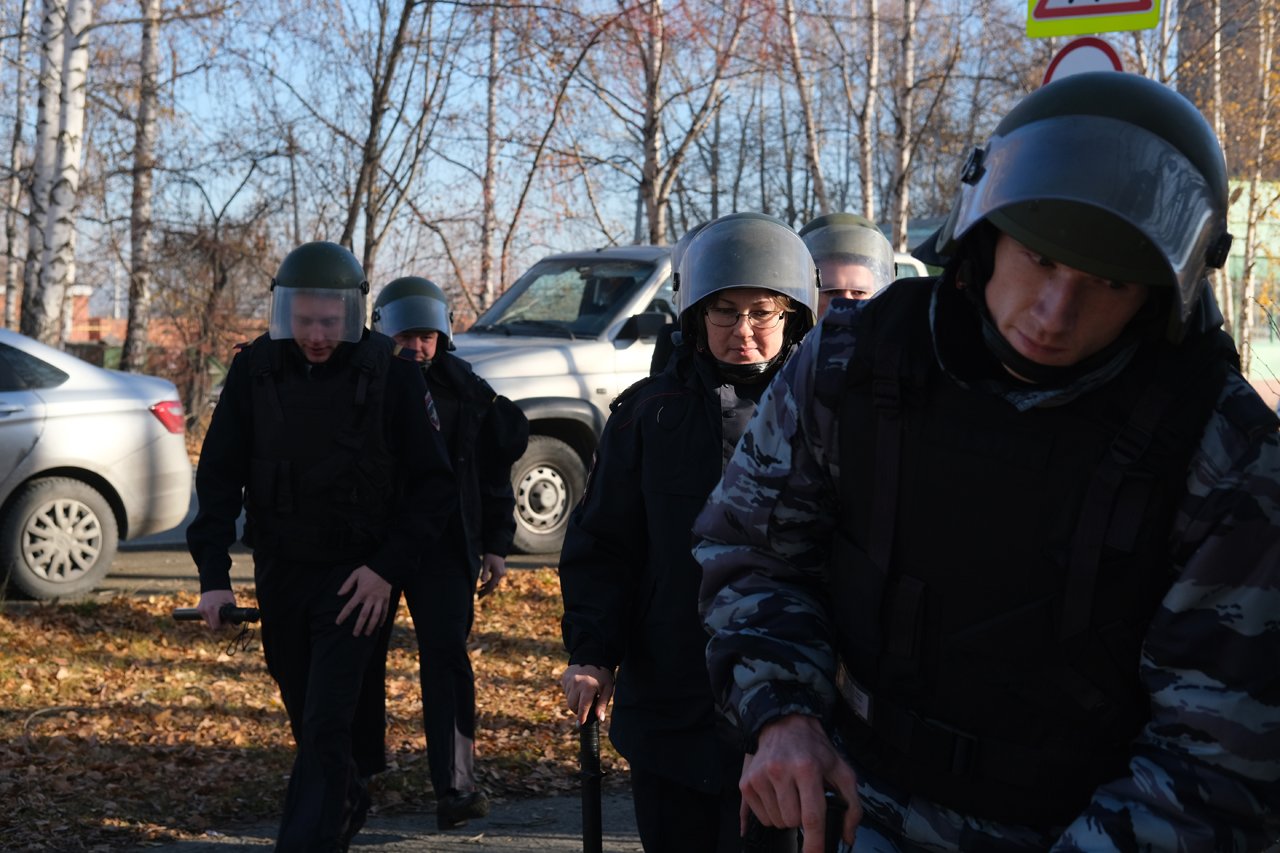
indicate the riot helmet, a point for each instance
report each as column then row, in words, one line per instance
column 848, row 238
column 749, row 250
column 678, row 250
column 318, row 289
column 412, row 303
column 1110, row 173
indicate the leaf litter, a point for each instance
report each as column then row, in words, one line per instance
column 124, row 729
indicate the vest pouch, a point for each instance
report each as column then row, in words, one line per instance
column 271, row 486
column 858, row 585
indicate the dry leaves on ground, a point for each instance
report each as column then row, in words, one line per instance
column 123, row 728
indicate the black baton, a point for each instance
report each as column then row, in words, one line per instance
column 590, row 774
column 228, row 613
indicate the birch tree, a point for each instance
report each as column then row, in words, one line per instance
column 669, row 63
column 134, row 356
column 1262, row 197
column 811, row 153
column 35, row 321
column 13, row 185
column 58, row 269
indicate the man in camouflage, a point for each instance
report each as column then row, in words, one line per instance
column 998, row 560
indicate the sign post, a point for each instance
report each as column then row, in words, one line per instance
column 1080, row 17
column 1083, row 54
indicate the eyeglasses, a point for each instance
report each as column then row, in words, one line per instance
column 759, row 319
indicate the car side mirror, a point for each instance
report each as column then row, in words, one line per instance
column 644, row 325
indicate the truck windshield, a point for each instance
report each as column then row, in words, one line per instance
column 565, row 297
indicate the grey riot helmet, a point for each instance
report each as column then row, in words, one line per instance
column 749, row 250
column 322, row 285
column 677, row 253
column 846, row 238
column 412, row 303
column 1109, row 173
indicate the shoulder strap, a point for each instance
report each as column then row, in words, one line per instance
column 265, row 360
column 1182, row 394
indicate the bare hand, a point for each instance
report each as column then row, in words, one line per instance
column 372, row 596
column 584, row 684
column 492, row 570
column 784, row 781
column 211, row 602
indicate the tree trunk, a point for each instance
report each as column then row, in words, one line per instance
column 651, row 133
column 58, row 271
column 811, row 154
column 906, row 116
column 384, row 72
column 1220, row 278
column 45, row 157
column 488, row 217
column 1258, row 209
column 134, row 357
column 12, row 265
column 867, row 123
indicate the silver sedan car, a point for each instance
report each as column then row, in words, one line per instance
column 88, row 457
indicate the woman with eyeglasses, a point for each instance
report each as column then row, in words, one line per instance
column 747, row 289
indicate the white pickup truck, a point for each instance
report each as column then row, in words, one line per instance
column 567, row 337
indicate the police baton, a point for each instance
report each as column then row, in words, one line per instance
column 228, row 613
column 590, row 774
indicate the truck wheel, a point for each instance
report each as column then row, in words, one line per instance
column 57, row 538
column 548, row 482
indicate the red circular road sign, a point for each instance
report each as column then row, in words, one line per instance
column 1083, row 54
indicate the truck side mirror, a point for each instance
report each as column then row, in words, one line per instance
column 644, row 325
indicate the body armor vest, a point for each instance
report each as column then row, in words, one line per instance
column 994, row 571
column 321, row 482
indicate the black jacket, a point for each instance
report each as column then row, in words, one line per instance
column 629, row 581
column 485, row 435
column 424, row 487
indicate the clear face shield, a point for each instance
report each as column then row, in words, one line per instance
column 851, row 244
column 316, row 316
column 1101, row 195
column 413, row 313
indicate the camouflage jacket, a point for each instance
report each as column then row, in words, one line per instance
column 1204, row 771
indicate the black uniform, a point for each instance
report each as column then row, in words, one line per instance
column 332, row 468
column 485, row 435
column 630, row 589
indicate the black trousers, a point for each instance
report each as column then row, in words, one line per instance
column 441, row 600
column 675, row 818
column 319, row 667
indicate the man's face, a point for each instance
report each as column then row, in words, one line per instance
column 843, row 280
column 420, row 342
column 317, row 322
column 1053, row 314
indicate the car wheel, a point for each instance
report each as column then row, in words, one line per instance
column 57, row 538
column 548, row 481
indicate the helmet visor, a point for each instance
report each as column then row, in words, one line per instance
column 855, row 245
column 1100, row 195
column 309, row 314
column 412, row 313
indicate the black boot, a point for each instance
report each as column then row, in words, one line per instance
column 355, row 810
column 455, row 809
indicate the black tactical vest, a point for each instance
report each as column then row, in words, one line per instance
column 321, row 481
column 995, row 571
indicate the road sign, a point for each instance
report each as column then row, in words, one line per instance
column 1083, row 54
column 1080, row 17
